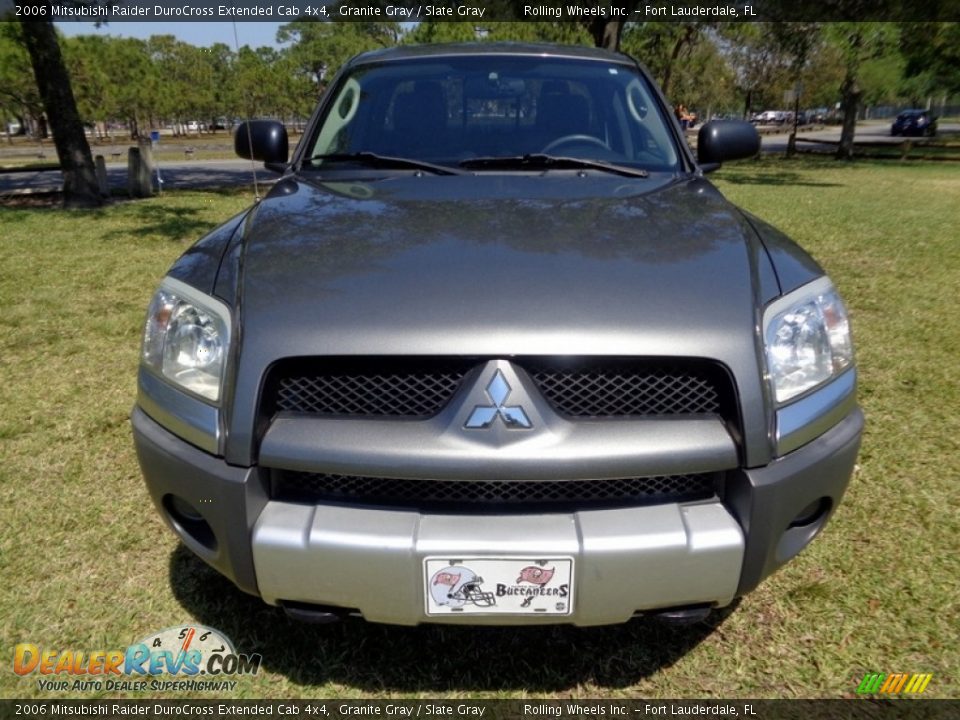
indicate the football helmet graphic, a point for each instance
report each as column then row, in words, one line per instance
column 456, row 586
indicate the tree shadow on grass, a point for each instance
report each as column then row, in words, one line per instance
column 778, row 178
column 174, row 221
column 432, row 659
column 165, row 222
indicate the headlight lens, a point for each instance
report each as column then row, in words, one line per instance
column 807, row 337
column 186, row 338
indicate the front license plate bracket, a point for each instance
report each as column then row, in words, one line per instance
column 487, row 585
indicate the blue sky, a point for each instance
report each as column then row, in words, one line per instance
column 201, row 34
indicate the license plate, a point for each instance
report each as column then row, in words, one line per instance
column 499, row 586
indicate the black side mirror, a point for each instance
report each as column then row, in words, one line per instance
column 722, row 140
column 264, row 140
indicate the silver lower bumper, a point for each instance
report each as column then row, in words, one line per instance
column 372, row 560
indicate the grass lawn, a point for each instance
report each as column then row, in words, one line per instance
column 88, row 565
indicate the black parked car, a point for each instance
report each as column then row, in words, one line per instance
column 914, row 122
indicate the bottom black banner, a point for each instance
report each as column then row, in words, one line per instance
column 853, row 709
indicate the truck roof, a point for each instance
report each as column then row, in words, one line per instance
column 403, row 52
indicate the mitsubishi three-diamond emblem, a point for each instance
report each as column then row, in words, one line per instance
column 513, row 416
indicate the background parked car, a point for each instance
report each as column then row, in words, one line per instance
column 774, row 117
column 914, row 122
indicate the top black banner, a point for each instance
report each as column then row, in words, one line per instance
column 483, row 11
column 445, row 709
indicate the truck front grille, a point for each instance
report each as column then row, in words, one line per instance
column 405, row 392
column 422, row 387
column 471, row 495
column 623, row 389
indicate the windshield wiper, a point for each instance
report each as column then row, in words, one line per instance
column 385, row 161
column 539, row 160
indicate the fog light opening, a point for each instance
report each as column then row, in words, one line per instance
column 189, row 522
column 317, row 614
column 681, row 615
column 812, row 513
column 803, row 528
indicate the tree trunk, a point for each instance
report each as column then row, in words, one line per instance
column 850, row 104
column 689, row 34
column 607, row 30
column 53, row 82
column 606, row 33
column 792, row 141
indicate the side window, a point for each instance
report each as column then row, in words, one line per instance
column 334, row 137
column 621, row 140
column 652, row 142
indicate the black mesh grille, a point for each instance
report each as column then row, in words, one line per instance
column 314, row 487
column 410, row 394
column 421, row 387
column 628, row 389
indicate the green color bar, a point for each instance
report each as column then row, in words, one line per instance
column 871, row 682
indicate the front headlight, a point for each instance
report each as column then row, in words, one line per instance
column 807, row 339
column 186, row 338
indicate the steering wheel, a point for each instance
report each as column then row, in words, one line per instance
column 572, row 139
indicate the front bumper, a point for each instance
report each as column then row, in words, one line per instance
column 371, row 560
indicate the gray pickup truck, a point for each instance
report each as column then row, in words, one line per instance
column 493, row 350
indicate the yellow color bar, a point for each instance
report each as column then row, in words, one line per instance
column 918, row 683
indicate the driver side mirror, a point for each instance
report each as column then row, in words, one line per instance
column 721, row 140
column 264, row 140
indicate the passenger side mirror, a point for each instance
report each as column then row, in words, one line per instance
column 722, row 140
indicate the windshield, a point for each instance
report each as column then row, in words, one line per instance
column 450, row 110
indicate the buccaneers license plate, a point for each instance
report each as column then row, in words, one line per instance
column 499, row 586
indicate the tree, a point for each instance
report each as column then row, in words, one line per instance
column 702, row 80
column 80, row 188
column 661, row 45
column 432, row 31
column 857, row 43
column 607, row 30
column 320, row 47
column 529, row 31
column 220, row 58
column 137, row 88
column 758, row 63
column 933, row 47
column 185, row 76
column 84, row 56
column 931, row 53
column 797, row 41
column 262, row 81
column 18, row 92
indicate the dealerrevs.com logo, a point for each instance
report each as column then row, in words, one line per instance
column 173, row 659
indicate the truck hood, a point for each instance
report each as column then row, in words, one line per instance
column 497, row 265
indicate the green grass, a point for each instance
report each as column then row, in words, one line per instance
column 944, row 147
column 87, row 563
